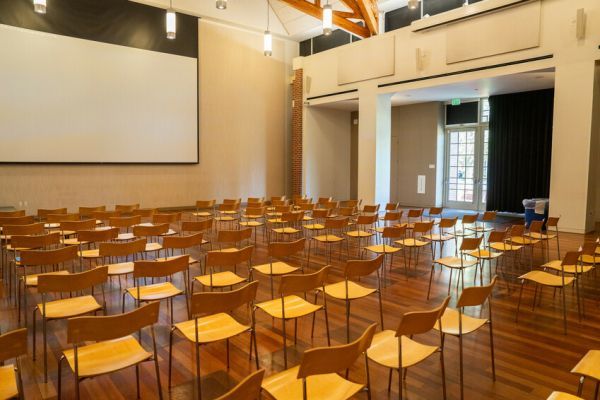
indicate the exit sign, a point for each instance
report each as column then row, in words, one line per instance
column 455, row 102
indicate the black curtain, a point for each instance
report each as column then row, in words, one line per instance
column 520, row 148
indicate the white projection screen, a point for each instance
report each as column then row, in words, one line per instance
column 69, row 100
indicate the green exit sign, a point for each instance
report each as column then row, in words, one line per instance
column 456, row 102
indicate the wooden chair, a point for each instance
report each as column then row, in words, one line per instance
column 255, row 201
column 212, row 321
column 70, row 228
column 144, row 213
column 228, row 213
column 9, row 231
column 561, row 281
column 163, row 290
column 15, row 213
column 446, row 230
column 13, row 345
column 53, row 220
column 308, row 209
column 334, row 234
column 551, row 222
column 204, row 226
column 248, row 389
column 516, row 236
column 500, row 243
column 94, row 237
column 487, row 252
column 126, row 224
column 389, row 235
column 114, row 349
column 291, row 225
column 317, row 376
column 277, row 252
column 466, row 222
column 129, row 252
column 390, row 218
column 42, row 213
column 588, row 367
column 104, row 216
column 488, row 218
column 254, row 218
column 350, row 289
column 455, row 322
column 365, row 224
column 205, row 209
column 324, row 200
column 435, row 214
column 413, row 216
column 389, row 347
column 291, row 306
column 563, row 396
column 459, row 263
column 151, row 232
column 420, row 230
column 221, row 259
column 64, row 308
column 232, row 240
column 319, row 216
column 369, row 209
column 127, row 209
column 87, row 212
column 168, row 218
column 350, row 203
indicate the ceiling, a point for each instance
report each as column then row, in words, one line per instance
column 523, row 82
column 284, row 20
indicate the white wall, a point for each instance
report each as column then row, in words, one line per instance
column 244, row 126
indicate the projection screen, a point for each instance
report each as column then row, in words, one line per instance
column 69, row 100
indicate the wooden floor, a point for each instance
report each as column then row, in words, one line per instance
column 533, row 356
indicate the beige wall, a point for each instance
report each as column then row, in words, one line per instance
column 354, row 155
column 244, row 130
column 415, row 135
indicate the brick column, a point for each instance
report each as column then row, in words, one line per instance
column 297, row 133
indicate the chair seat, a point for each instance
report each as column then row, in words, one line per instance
column 541, row 236
column 383, row 249
column 410, row 242
column 355, row 291
column 73, row 241
column 328, row 238
column 455, row 262
column 211, row 328
column 295, row 307
column 228, row 250
column 588, row 259
column 226, row 218
column 32, row 280
column 251, row 224
column 170, row 232
column 125, row 236
column 480, row 229
column 277, row 268
column 287, row 230
column 153, row 246
column 90, row 253
column 156, row 291
column 220, row 279
column 250, row 216
column 229, row 212
column 51, row 225
column 109, row 356
column 359, row 234
column 504, row 246
column 485, row 254
column 450, row 323
column 192, row 260
column 8, row 382
column 384, row 350
column 202, row 214
column 314, row 227
column 523, row 240
column 285, row 385
column 569, row 269
column 464, row 232
column 589, row 365
column 547, row 279
column 438, row 238
column 123, row 268
column 71, row 307
column 563, row 396
column 307, row 218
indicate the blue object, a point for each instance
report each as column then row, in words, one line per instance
column 535, row 210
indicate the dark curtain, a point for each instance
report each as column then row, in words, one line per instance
column 520, row 148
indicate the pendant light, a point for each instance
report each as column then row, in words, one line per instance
column 327, row 19
column 268, row 38
column 39, row 6
column 413, row 4
column 171, row 22
column 221, row 4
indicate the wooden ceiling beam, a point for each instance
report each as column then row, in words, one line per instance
column 370, row 13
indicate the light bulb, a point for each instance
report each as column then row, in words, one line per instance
column 171, row 24
column 327, row 19
column 39, row 6
column 268, row 43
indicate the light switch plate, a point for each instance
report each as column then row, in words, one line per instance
column 431, row 166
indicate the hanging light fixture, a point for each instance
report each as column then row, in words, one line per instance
column 39, row 6
column 327, row 19
column 413, row 4
column 171, row 22
column 268, row 38
column 221, row 4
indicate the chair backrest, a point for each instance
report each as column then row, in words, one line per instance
column 393, row 232
column 29, row 229
column 278, row 201
column 286, row 249
column 295, row 283
column 255, row 211
column 24, row 220
column 332, row 205
column 62, row 217
column 366, row 219
column 588, row 249
column 182, row 242
column 150, row 230
column 306, row 206
column 228, row 258
column 415, row 213
column 517, row 230
column 105, row 215
column 489, row 216
column 229, row 207
column 447, row 222
column 166, row 218
column 291, row 217
column 204, row 204
column 422, row 227
column 234, row 236
column 232, row 201
column 392, row 216
column 283, row 208
column 95, row 236
column 391, row 207
column 255, row 200
column 497, row 236
column 49, row 257
column 536, row 226
column 349, row 203
column 96, row 329
column 13, row 344
column 416, row 322
column 42, row 213
column 35, row 242
column 15, row 213
column 127, row 208
column 144, row 212
column 197, row 226
column 436, row 211
column 87, row 224
column 552, row 222
column 323, row 200
column 160, row 268
column 86, row 212
column 347, row 211
column 336, row 223
column 51, row 283
column 207, row 303
column 571, row 258
column 125, row 222
column 371, row 208
column 329, row 360
column 476, row 295
column 320, row 213
column 122, row 249
column 358, row 268
column 470, row 243
column 469, row 218
column 248, row 389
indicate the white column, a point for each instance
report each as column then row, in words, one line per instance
column 374, row 146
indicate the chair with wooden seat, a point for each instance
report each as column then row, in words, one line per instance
column 228, row 214
column 351, row 289
column 168, row 218
column 87, row 212
column 397, row 350
column 308, row 209
column 588, row 368
column 391, row 207
column 563, row 396
column 560, row 281
column 489, row 253
column 459, row 263
column 390, row 218
column 42, row 213
column 204, row 226
column 20, row 220
column 53, row 220
column 446, row 230
column 516, row 236
column 104, row 216
column 505, row 247
column 277, row 201
column 13, row 345
column 114, row 348
column 350, row 203
column 144, row 213
column 212, row 320
column 14, row 213
column 254, row 218
column 369, row 209
column 231, row 240
column 455, row 322
column 547, row 236
column 127, row 210
column 435, row 214
column 416, row 241
column 333, row 207
column 92, row 238
column 175, row 246
column 274, row 213
column 152, row 233
column 487, row 223
column 205, row 209
column 11, row 230
column 68, row 229
column 317, row 223
column 324, row 200
column 318, row 375
column 291, row 225
column 334, row 234
column 125, row 225
column 467, row 221
column 247, row 389
column 222, row 259
column 389, row 235
column 155, row 269
column 290, row 306
column 413, row 216
column 119, row 257
column 64, row 308
column 58, row 260
column 364, row 229
column 278, row 252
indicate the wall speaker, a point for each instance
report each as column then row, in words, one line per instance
column 580, row 24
